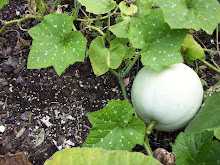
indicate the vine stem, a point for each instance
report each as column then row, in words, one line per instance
column 100, row 32
column 121, row 83
column 6, row 23
column 108, row 25
column 131, row 64
column 217, row 44
column 148, row 131
column 38, row 2
column 210, row 66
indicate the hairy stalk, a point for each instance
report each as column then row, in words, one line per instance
column 6, row 23
column 210, row 66
column 147, row 147
column 149, row 129
column 121, row 83
column 132, row 64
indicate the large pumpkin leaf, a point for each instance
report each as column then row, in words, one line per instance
column 96, row 156
column 161, row 45
column 103, row 58
column 98, row 6
column 207, row 117
column 3, row 2
column 55, row 44
column 144, row 7
column 114, row 128
column 196, row 149
column 191, row 14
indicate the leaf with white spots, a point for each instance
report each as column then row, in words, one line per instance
column 194, row 14
column 103, row 58
column 147, row 29
column 98, row 6
column 114, row 128
column 55, row 44
column 161, row 45
column 144, row 7
column 165, row 51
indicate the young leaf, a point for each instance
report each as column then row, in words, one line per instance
column 103, row 58
column 191, row 14
column 3, row 2
column 217, row 132
column 160, row 44
column 98, row 6
column 114, row 128
column 196, row 149
column 121, row 29
column 207, row 117
column 144, row 7
column 96, row 156
column 193, row 49
column 132, row 9
column 55, row 44
column 129, row 51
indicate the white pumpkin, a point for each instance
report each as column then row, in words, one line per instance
column 171, row 97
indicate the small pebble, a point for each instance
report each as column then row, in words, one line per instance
column 2, row 128
column 25, row 116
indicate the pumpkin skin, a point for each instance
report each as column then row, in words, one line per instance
column 171, row 97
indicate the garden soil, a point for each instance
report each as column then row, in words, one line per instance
column 43, row 112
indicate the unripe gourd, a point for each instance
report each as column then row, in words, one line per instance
column 171, row 97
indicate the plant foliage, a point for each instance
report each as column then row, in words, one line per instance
column 114, row 128
column 196, row 149
column 97, row 156
column 55, row 44
column 191, row 14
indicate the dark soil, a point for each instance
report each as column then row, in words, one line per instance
column 27, row 97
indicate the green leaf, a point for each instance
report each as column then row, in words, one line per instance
column 103, row 58
column 217, row 132
column 208, row 116
column 129, row 51
column 3, row 2
column 55, row 44
column 96, row 156
column 147, row 29
column 161, row 45
column 193, row 49
column 114, row 128
column 127, row 10
column 121, row 29
column 196, row 149
column 98, row 6
column 194, row 14
column 144, row 7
